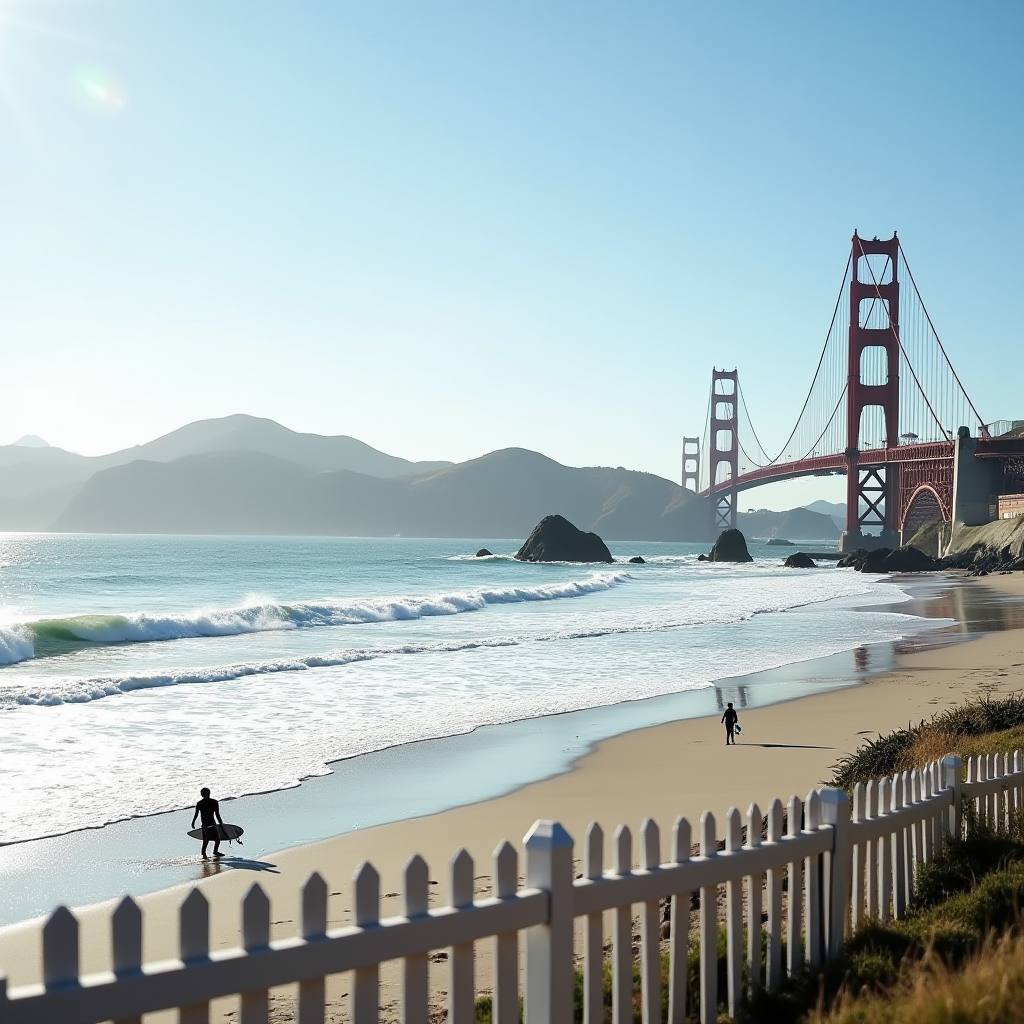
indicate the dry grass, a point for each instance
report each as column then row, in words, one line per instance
column 987, row 989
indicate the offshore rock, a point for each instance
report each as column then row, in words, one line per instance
column 798, row 560
column 731, row 546
column 637, row 560
column 555, row 539
column 484, row 553
column 887, row 560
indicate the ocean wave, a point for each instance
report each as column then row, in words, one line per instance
column 46, row 636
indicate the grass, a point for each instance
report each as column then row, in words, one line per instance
column 986, row 726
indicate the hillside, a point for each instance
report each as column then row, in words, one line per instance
column 37, row 483
column 797, row 524
column 503, row 494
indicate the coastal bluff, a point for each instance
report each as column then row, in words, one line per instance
column 555, row 539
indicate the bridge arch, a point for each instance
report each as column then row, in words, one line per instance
column 925, row 505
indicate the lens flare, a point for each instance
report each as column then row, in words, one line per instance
column 99, row 91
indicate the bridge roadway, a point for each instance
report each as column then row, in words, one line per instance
column 929, row 451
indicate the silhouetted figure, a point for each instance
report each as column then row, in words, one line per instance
column 730, row 718
column 208, row 813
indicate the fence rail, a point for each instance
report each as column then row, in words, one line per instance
column 842, row 866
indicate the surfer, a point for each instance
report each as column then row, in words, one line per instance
column 208, row 812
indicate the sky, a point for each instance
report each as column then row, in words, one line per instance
column 451, row 227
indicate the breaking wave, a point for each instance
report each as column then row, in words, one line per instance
column 50, row 636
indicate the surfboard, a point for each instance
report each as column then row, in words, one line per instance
column 224, row 832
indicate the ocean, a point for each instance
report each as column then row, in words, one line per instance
column 135, row 669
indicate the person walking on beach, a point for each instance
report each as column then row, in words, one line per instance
column 208, row 812
column 730, row 718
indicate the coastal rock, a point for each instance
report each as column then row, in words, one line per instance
column 882, row 560
column 798, row 560
column 484, row 553
column 555, row 539
column 637, row 560
column 731, row 546
column 703, row 558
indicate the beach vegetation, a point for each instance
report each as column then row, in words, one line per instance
column 988, row 725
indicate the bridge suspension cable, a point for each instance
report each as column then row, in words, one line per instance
column 933, row 400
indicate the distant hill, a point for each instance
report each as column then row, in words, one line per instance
column 37, row 483
column 254, row 434
column 835, row 509
column 798, row 524
column 503, row 494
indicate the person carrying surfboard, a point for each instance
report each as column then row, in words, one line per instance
column 208, row 813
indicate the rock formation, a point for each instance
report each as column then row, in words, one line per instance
column 798, row 560
column 888, row 560
column 555, row 539
column 638, row 560
column 731, row 546
column 484, row 553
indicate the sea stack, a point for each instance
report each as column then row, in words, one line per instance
column 731, row 546
column 555, row 539
column 799, row 560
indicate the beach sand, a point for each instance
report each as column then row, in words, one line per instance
column 680, row 768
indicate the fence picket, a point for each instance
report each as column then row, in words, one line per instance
column 733, row 917
column 461, row 986
column 593, row 935
column 193, row 946
column 505, row 999
column 60, row 948
column 916, row 835
column 650, row 929
column 679, row 931
column 795, row 888
column 885, row 842
column 773, row 952
column 414, row 968
column 708, row 927
column 622, row 934
column 899, row 851
column 366, row 980
column 126, row 945
column 857, row 861
column 255, row 935
column 812, row 885
column 754, row 884
column 311, row 1005
column 871, row 854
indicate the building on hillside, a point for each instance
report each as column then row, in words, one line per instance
column 1011, row 505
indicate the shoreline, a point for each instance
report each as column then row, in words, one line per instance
column 412, row 781
column 659, row 771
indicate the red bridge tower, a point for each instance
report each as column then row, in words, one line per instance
column 724, row 449
column 874, row 325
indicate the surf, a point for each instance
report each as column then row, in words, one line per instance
column 48, row 637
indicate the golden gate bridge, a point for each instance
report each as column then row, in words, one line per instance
column 885, row 407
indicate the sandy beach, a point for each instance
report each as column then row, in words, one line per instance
column 680, row 768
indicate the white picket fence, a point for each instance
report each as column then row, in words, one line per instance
column 842, row 867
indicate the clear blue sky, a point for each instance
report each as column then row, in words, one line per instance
column 448, row 227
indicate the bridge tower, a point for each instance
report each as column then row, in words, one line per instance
column 691, row 463
column 724, row 449
column 874, row 325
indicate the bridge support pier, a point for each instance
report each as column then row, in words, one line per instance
column 975, row 483
column 691, row 464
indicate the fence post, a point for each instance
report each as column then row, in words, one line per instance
column 549, row 966
column 835, row 811
column 952, row 768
